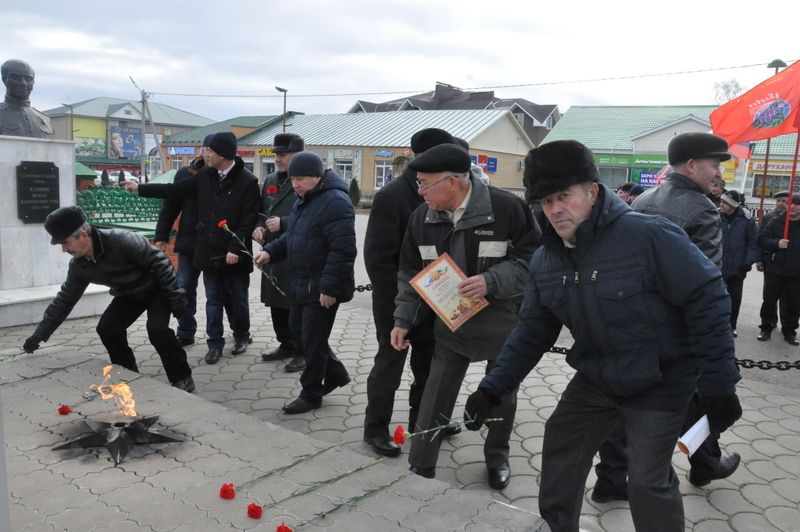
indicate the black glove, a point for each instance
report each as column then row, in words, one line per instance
column 31, row 344
column 177, row 302
column 478, row 407
column 721, row 412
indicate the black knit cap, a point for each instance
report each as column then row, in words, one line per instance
column 556, row 166
column 442, row 158
column 426, row 139
column 224, row 144
column 306, row 164
column 287, row 143
column 63, row 222
column 697, row 146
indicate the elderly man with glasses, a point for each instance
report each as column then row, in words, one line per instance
column 490, row 234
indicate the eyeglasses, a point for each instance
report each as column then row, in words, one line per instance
column 423, row 187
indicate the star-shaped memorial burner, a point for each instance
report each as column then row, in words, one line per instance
column 118, row 437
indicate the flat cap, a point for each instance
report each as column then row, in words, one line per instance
column 288, row 143
column 781, row 194
column 426, row 139
column 442, row 158
column 62, row 222
column 697, row 146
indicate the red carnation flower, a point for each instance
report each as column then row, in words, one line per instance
column 254, row 510
column 64, row 409
column 227, row 491
column 283, row 528
column 271, row 190
column 399, row 435
column 222, row 223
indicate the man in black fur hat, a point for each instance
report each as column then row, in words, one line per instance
column 595, row 269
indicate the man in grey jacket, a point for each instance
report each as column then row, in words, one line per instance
column 490, row 234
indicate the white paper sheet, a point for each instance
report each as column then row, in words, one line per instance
column 694, row 437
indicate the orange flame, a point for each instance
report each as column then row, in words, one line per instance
column 120, row 392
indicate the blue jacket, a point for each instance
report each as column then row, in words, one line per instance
column 320, row 243
column 648, row 311
column 739, row 244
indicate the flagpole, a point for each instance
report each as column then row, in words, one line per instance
column 791, row 188
column 760, row 214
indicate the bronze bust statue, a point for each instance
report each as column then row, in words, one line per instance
column 17, row 117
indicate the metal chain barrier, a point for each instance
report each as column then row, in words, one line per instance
column 746, row 363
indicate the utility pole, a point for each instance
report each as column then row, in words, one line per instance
column 71, row 120
column 143, row 145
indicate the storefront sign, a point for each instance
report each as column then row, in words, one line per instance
column 491, row 165
column 265, row 152
column 181, row 150
column 245, row 153
column 774, row 167
column 637, row 159
column 126, row 142
column 383, row 153
column 37, row 191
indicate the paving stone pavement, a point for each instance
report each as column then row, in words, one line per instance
column 762, row 495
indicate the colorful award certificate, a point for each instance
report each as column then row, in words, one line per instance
column 438, row 286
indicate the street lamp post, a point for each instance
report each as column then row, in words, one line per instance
column 777, row 64
column 71, row 119
column 284, row 91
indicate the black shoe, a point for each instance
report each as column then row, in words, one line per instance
column 240, row 346
column 764, row 335
column 451, row 429
column 427, row 472
column 604, row 495
column 185, row 340
column 279, row 354
column 213, row 355
column 727, row 465
column 384, row 446
column 499, row 476
column 791, row 339
column 300, row 406
column 186, row 384
column 332, row 385
column 296, row 364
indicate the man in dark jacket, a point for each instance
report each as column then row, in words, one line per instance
column 490, row 234
column 187, row 274
column 388, row 218
column 320, row 246
column 739, row 247
column 781, row 275
column 277, row 199
column 600, row 263
column 227, row 208
column 141, row 279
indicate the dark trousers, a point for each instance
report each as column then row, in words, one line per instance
column 583, row 419
column 113, row 331
column 787, row 290
column 448, row 369
column 187, row 277
column 312, row 326
column 735, row 286
column 226, row 289
column 283, row 332
column 387, row 371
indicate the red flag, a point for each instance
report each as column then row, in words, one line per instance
column 767, row 110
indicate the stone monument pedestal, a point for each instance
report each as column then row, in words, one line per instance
column 31, row 269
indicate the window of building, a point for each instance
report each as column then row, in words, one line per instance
column 128, row 112
column 611, row 176
column 344, row 167
column 774, row 183
column 383, row 170
column 177, row 163
column 520, row 117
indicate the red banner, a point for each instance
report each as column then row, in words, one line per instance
column 767, row 110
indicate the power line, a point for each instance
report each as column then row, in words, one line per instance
column 516, row 85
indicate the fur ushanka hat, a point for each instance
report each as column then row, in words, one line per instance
column 557, row 166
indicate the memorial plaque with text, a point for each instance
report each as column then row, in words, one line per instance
column 37, row 191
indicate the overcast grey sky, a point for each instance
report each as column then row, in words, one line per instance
column 84, row 49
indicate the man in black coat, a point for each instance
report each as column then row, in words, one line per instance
column 277, row 199
column 227, row 207
column 388, row 218
column 781, row 275
column 141, row 279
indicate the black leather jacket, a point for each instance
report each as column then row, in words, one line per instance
column 682, row 202
column 123, row 261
